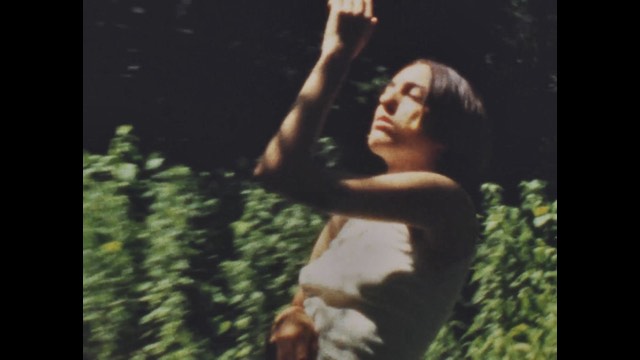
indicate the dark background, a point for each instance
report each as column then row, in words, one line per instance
column 208, row 82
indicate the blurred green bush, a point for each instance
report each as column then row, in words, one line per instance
column 184, row 265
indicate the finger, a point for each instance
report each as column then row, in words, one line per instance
column 313, row 347
column 285, row 350
column 347, row 6
column 368, row 8
column 336, row 8
column 276, row 336
column 301, row 349
column 358, row 7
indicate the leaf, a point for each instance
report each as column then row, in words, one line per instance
column 243, row 323
column 517, row 330
column 112, row 246
column 243, row 353
column 224, row 327
column 541, row 220
column 540, row 254
column 521, row 347
column 154, row 163
column 540, row 210
column 124, row 130
column 126, row 172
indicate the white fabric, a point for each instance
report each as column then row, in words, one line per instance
column 374, row 295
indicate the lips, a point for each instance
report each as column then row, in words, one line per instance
column 383, row 123
column 384, row 119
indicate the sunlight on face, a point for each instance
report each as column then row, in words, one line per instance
column 397, row 128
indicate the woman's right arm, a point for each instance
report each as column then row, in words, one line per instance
column 293, row 331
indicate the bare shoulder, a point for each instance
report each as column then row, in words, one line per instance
column 450, row 232
column 439, row 213
column 410, row 180
column 415, row 198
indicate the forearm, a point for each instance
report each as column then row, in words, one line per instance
column 298, row 298
column 292, row 143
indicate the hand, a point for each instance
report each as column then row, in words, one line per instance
column 294, row 335
column 349, row 27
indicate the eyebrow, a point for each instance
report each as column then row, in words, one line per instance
column 411, row 83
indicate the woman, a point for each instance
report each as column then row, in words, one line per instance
column 389, row 265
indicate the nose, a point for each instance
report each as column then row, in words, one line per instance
column 389, row 99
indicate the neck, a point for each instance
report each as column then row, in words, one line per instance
column 406, row 165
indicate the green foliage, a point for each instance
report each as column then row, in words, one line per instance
column 179, row 265
column 326, row 151
column 273, row 239
column 109, row 304
column 515, row 282
column 170, row 244
column 144, row 240
column 368, row 91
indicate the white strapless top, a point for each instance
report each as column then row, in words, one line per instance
column 373, row 294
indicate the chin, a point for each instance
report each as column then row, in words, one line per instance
column 379, row 138
column 380, row 147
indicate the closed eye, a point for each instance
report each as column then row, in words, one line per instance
column 415, row 91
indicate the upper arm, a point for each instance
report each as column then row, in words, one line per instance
column 414, row 198
column 328, row 233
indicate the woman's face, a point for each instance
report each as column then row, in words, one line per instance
column 397, row 130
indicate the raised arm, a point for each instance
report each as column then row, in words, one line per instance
column 285, row 167
column 347, row 31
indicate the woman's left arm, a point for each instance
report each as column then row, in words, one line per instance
column 291, row 146
column 415, row 198
column 347, row 31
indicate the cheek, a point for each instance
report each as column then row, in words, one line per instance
column 413, row 115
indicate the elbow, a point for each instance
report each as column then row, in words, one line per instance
column 272, row 176
column 300, row 183
column 260, row 171
column 274, row 166
column 268, row 171
column 266, row 176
